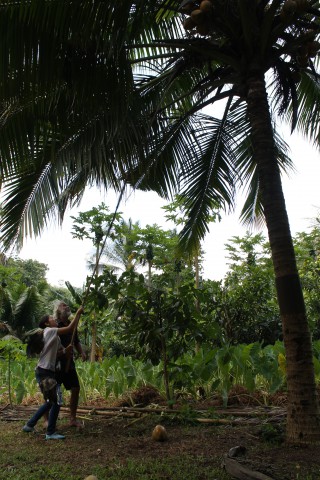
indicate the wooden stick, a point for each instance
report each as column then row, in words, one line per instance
column 106, row 414
column 216, row 421
column 135, row 420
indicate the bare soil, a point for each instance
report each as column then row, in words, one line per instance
column 200, row 429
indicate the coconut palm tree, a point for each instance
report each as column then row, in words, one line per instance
column 257, row 57
column 21, row 313
column 153, row 67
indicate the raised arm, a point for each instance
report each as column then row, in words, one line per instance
column 72, row 325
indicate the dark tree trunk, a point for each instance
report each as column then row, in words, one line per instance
column 303, row 420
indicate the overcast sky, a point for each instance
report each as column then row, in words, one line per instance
column 66, row 257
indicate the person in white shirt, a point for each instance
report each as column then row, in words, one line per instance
column 45, row 373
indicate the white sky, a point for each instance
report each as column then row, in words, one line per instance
column 66, row 257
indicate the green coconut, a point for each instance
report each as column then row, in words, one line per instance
column 189, row 24
column 203, row 29
column 198, row 16
column 313, row 48
column 290, row 6
column 206, row 6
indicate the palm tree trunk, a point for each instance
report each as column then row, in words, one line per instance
column 303, row 419
column 197, row 275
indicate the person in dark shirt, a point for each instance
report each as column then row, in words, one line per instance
column 66, row 373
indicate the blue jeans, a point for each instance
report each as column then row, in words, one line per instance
column 52, row 408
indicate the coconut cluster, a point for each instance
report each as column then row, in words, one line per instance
column 290, row 7
column 308, row 47
column 306, row 51
column 200, row 15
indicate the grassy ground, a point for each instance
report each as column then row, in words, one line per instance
column 117, row 448
column 109, row 450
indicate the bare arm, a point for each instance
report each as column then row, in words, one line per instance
column 72, row 325
column 80, row 351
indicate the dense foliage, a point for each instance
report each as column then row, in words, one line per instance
column 241, row 308
column 173, row 334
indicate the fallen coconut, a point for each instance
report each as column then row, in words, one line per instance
column 159, row 434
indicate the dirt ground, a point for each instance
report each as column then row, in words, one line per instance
column 123, row 439
column 124, row 432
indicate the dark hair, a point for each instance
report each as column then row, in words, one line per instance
column 35, row 342
column 43, row 322
column 34, row 338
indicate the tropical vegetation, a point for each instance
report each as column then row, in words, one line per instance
column 177, row 337
column 154, row 66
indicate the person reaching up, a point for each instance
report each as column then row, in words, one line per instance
column 46, row 374
column 67, row 373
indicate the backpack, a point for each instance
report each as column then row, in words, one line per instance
column 35, row 342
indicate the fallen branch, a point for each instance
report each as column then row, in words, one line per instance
column 139, row 419
column 227, row 412
column 11, row 419
column 104, row 413
column 240, row 416
column 215, row 421
column 249, row 413
column 140, row 413
column 237, row 470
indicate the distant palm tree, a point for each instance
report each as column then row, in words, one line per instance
column 21, row 313
column 61, row 132
column 123, row 250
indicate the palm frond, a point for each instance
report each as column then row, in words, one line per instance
column 6, row 305
column 209, row 179
column 309, row 107
column 75, row 295
column 26, row 310
column 29, row 198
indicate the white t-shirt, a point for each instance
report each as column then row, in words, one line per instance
column 52, row 343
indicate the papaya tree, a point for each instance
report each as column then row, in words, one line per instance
column 96, row 225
